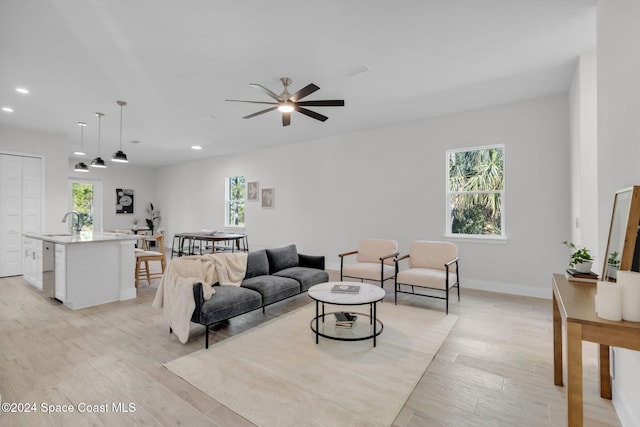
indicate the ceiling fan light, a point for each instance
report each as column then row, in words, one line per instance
column 81, row 167
column 119, row 157
column 285, row 107
column 98, row 163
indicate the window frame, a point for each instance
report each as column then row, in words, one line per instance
column 228, row 202
column 448, row 194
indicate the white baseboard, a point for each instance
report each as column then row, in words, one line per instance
column 485, row 285
column 507, row 288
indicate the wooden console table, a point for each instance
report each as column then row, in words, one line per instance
column 573, row 305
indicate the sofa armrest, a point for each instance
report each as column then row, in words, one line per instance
column 311, row 261
column 199, row 299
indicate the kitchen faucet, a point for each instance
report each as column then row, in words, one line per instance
column 78, row 224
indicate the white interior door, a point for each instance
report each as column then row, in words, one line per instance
column 31, row 195
column 10, row 215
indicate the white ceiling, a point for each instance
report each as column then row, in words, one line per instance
column 175, row 62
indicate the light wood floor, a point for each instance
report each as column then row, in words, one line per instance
column 495, row 369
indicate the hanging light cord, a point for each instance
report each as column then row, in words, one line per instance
column 121, row 105
column 99, row 151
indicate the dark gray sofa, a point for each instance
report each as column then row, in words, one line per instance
column 272, row 275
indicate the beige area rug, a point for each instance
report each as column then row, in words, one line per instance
column 276, row 375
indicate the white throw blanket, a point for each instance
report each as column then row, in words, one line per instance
column 175, row 292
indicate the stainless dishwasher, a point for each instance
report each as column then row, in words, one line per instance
column 48, row 269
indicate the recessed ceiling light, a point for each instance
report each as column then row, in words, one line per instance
column 207, row 118
column 196, row 147
column 135, row 141
column 7, row 109
column 22, row 90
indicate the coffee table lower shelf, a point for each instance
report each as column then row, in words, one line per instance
column 324, row 325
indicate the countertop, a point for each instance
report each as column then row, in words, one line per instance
column 82, row 237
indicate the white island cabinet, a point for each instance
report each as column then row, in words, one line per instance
column 92, row 268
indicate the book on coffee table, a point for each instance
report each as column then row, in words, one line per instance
column 345, row 289
column 345, row 320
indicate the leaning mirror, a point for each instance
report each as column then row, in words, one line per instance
column 622, row 253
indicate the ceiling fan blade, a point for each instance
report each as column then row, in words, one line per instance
column 286, row 119
column 266, row 91
column 260, row 112
column 305, row 91
column 251, row 102
column 310, row 113
column 323, row 103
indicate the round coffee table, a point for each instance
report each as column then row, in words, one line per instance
column 325, row 326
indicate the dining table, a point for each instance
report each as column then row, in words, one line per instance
column 190, row 243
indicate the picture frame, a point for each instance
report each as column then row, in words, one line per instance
column 124, row 201
column 267, row 197
column 253, row 191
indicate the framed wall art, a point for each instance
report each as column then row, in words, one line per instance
column 267, row 197
column 253, row 190
column 124, row 201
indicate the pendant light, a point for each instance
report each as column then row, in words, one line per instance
column 119, row 155
column 98, row 162
column 81, row 167
column 81, row 152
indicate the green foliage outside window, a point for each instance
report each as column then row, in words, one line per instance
column 476, row 187
column 235, row 204
column 83, row 203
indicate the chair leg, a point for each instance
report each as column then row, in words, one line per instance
column 146, row 266
column 395, row 291
column 206, row 339
column 446, row 311
column 137, row 273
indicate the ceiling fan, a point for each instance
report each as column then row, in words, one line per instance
column 286, row 103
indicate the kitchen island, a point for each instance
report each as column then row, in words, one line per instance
column 90, row 268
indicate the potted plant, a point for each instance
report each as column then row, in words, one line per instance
column 580, row 259
column 154, row 217
column 613, row 264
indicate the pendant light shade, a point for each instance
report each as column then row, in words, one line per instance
column 81, row 167
column 119, row 155
column 81, row 152
column 98, row 162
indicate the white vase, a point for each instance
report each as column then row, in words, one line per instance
column 584, row 267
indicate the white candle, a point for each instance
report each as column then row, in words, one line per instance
column 609, row 301
column 629, row 282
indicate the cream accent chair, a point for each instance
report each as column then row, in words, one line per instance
column 144, row 256
column 375, row 261
column 432, row 265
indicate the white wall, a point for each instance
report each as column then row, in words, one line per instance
column 619, row 153
column 390, row 183
column 59, row 168
column 584, row 156
column 122, row 175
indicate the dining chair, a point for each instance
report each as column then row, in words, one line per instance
column 144, row 256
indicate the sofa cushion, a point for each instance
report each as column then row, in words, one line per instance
column 257, row 264
column 229, row 301
column 281, row 258
column 307, row 277
column 272, row 288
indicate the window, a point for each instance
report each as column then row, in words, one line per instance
column 234, row 201
column 475, row 192
column 82, row 200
